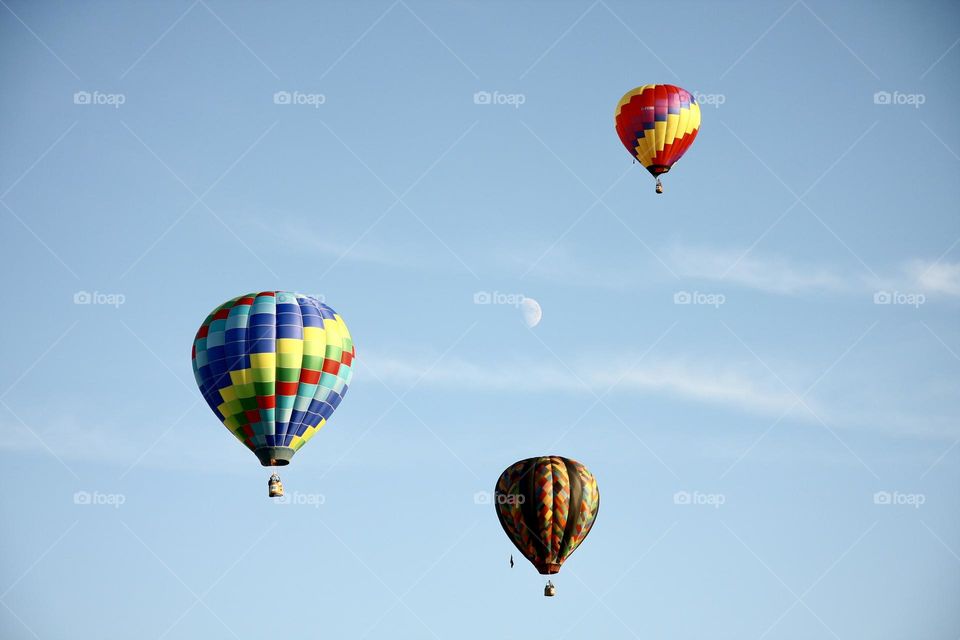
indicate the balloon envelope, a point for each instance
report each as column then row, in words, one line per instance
column 657, row 123
column 273, row 366
column 547, row 507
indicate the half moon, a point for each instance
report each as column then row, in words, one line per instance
column 532, row 313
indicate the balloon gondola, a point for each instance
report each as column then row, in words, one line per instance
column 274, row 486
column 273, row 367
column 549, row 590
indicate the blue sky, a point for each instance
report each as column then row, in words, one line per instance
column 777, row 459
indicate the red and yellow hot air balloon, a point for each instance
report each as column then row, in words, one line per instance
column 547, row 506
column 657, row 123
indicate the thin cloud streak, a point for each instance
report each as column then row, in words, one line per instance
column 781, row 276
column 723, row 386
column 751, row 391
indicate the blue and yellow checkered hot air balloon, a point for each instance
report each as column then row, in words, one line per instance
column 273, row 366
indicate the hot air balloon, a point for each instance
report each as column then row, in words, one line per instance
column 657, row 123
column 547, row 507
column 273, row 366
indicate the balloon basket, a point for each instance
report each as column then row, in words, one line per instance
column 549, row 590
column 275, row 487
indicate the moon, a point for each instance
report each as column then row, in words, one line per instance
column 532, row 313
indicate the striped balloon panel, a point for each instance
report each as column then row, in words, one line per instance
column 273, row 366
column 657, row 123
column 547, row 506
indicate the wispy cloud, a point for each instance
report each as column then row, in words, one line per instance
column 783, row 276
column 935, row 277
column 772, row 275
column 559, row 264
column 737, row 267
column 295, row 232
column 738, row 385
column 722, row 385
column 150, row 446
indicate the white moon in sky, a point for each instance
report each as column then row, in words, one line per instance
column 532, row 313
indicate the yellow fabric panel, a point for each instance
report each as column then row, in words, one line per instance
column 694, row 120
column 661, row 131
column 333, row 329
column 314, row 341
column 683, row 122
column 344, row 332
column 290, row 352
column 671, row 133
column 229, row 394
column 242, row 376
column 643, row 151
column 646, row 148
column 263, row 361
column 290, row 345
column 290, row 360
column 230, row 408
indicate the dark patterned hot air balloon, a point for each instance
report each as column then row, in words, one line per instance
column 657, row 123
column 273, row 366
column 547, row 507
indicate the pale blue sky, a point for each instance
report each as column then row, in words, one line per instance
column 399, row 199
